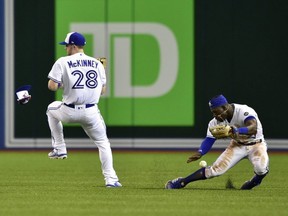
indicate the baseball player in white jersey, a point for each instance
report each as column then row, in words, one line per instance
column 83, row 81
column 247, row 142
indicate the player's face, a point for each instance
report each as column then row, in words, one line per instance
column 68, row 48
column 220, row 113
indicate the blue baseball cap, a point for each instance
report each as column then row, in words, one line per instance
column 74, row 38
column 22, row 93
column 217, row 101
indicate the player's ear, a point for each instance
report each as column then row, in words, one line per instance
column 225, row 107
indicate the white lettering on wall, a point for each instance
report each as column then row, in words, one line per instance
column 168, row 49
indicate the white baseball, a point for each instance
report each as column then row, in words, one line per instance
column 203, row 163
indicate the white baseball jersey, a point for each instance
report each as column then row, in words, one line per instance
column 241, row 113
column 82, row 76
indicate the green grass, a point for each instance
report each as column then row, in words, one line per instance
column 31, row 184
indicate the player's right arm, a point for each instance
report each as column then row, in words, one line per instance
column 53, row 86
column 55, row 76
column 205, row 146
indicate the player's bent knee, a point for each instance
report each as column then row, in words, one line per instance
column 54, row 105
column 260, row 169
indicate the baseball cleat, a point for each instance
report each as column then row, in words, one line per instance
column 255, row 181
column 175, row 183
column 54, row 155
column 248, row 185
column 115, row 184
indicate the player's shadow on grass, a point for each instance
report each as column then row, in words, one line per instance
column 186, row 188
column 220, row 189
column 162, row 188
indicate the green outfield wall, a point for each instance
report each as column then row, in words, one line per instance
column 150, row 57
column 165, row 61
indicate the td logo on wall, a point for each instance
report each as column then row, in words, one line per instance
column 149, row 45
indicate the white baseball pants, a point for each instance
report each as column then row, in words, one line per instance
column 93, row 124
column 256, row 154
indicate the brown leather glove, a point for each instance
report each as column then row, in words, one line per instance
column 194, row 157
column 103, row 60
column 221, row 131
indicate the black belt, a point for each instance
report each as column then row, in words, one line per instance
column 73, row 106
column 250, row 143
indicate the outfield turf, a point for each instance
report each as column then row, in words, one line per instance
column 32, row 184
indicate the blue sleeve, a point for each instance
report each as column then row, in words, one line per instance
column 206, row 145
column 249, row 118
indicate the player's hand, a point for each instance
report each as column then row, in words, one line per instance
column 194, row 157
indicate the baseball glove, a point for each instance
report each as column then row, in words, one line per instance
column 103, row 60
column 221, row 131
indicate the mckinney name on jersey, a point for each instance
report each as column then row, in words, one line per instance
column 82, row 63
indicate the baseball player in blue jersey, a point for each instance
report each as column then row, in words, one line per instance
column 83, row 81
column 247, row 141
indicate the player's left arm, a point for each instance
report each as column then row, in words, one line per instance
column 250, row 127
column 102, row 75
column 103, row 89
column 251, row 124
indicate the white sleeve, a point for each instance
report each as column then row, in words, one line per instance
column 56, row 72
column 212, row 123
column 102, row 74
column 247, row 112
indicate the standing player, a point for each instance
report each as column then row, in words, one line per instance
column 247, row 142
column 83, row 81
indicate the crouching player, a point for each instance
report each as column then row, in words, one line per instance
column 247, row 141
